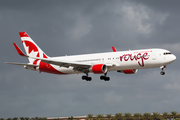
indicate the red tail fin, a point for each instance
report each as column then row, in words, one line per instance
column 31, row 48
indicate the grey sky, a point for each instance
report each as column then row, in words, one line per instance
column 69, row 27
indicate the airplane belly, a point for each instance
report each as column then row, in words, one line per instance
column 49, row 68
column 66, row 70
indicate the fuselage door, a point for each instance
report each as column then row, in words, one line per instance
column 153, row 56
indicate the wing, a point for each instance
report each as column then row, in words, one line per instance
column 77, row 66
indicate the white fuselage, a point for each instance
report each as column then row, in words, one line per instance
column 132, row 59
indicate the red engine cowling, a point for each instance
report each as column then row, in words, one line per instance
column 99, row 68
column 130, row 71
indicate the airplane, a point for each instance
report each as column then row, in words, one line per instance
column 127, row 62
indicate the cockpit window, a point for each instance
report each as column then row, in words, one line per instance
column 167, row 53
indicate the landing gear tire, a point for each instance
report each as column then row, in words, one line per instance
column 107, row 79
column 162, row 73
column 86, row 78
column 104, row 78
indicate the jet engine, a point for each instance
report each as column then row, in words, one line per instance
column 130, row 71
column 99, row 68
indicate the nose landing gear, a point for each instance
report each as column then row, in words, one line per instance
column 162, row 73
column 163, row 68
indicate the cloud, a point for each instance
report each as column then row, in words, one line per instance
column 133, row 16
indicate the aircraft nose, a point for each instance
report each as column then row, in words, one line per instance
column 173, row 58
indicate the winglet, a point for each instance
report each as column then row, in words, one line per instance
column 114, row 50
column 19, row 50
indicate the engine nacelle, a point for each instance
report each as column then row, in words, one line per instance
column 99, row 68
column 130, row 71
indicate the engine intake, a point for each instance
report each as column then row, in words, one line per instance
column 130, row 71
column 99, row 68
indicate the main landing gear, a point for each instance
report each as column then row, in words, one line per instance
column 86, row 77
column 163, row 68
column 104, row 77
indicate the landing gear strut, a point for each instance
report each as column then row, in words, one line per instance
column 104, row 77
column 163, row 68
column 86, row 77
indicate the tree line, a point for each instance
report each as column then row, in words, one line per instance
column 25, row 118
column 118, row 116
column 137, row 116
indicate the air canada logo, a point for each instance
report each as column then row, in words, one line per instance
column 137, row 57
column 31, row 46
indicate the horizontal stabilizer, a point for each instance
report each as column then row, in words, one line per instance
column 19, row 50
column 23, row 64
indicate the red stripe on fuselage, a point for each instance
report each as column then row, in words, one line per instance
column 44, row 67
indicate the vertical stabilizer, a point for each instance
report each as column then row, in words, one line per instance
column 31, row 48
